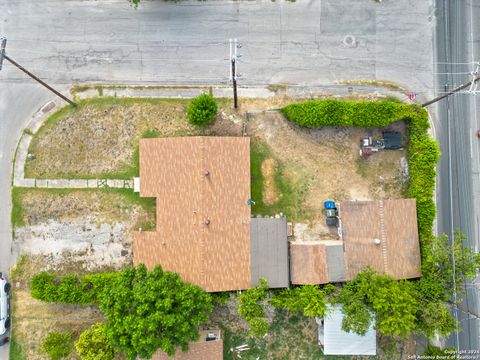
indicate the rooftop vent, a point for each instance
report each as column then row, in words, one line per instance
column 206, row 173
column 376, row 241
column 207, row 222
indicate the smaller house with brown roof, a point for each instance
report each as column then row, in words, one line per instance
column 209, row 346
column 381, row 234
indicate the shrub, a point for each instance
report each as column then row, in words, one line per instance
column 202, row 110
column 57, row 345
column 251, row 307
column 70, row 289
column 307, row 300
column 93, row 344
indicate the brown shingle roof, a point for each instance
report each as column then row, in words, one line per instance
column 394, row 223
column 199, row 350
column 214, row 256
column 308, row 263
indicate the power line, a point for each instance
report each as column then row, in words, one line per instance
column 13, row 62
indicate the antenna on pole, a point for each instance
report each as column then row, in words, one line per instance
column 233, row 69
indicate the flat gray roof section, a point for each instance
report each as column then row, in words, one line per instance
column 335, row 263
column 338, row 342
column 269, row 251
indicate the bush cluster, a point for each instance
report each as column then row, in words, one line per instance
column 423, row 151
column 57, row 345
column 251, row 307
column 70, row 289
column 202, row 110
column 307, row 300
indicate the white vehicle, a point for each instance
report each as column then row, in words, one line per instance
column 4, row 306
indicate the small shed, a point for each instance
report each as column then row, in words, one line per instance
column 335, row 341
column 209, row 346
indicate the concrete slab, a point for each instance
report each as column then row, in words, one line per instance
column 59, row 183
column 41, row 115
column 92, row 183
column 41, row 183
column 115, row 183
column 24, row 182
column 78, row 183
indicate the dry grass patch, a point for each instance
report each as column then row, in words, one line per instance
column 100, row 137
column 33, row 320
column 106, row 205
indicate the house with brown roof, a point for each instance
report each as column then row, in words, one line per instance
column 209, row 346
column 381, row 234
column 204, row 229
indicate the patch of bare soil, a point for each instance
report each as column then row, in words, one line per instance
column 327, row 164
column 33, row 320
column 270, row 191
column 90, row 230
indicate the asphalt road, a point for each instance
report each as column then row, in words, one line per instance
column 458, row 195
column 304, row 43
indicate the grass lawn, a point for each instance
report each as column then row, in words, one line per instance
column 284, row 197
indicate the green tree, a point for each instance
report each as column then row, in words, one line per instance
column 308, row 300
column 251, row 307
column 437, row 266
column 94, row 345
column 57, row 345
column 150, row 310
column 392, row 302
column 202, row 110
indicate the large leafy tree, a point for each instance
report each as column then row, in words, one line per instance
column 147, row 311
column 392, row 302
column 436, row 287
column 438, row 269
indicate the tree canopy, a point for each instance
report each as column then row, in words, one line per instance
column 392, row 302
column 150, row 310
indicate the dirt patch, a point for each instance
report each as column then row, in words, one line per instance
column 90, row 230
column 270, row 191
column 325, row 162
column 33, row 320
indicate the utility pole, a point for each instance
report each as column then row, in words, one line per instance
column 233, row 69
column 472, row 84
column 3, row 43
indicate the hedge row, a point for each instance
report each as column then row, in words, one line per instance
column 70, row 289
column 423, row 151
